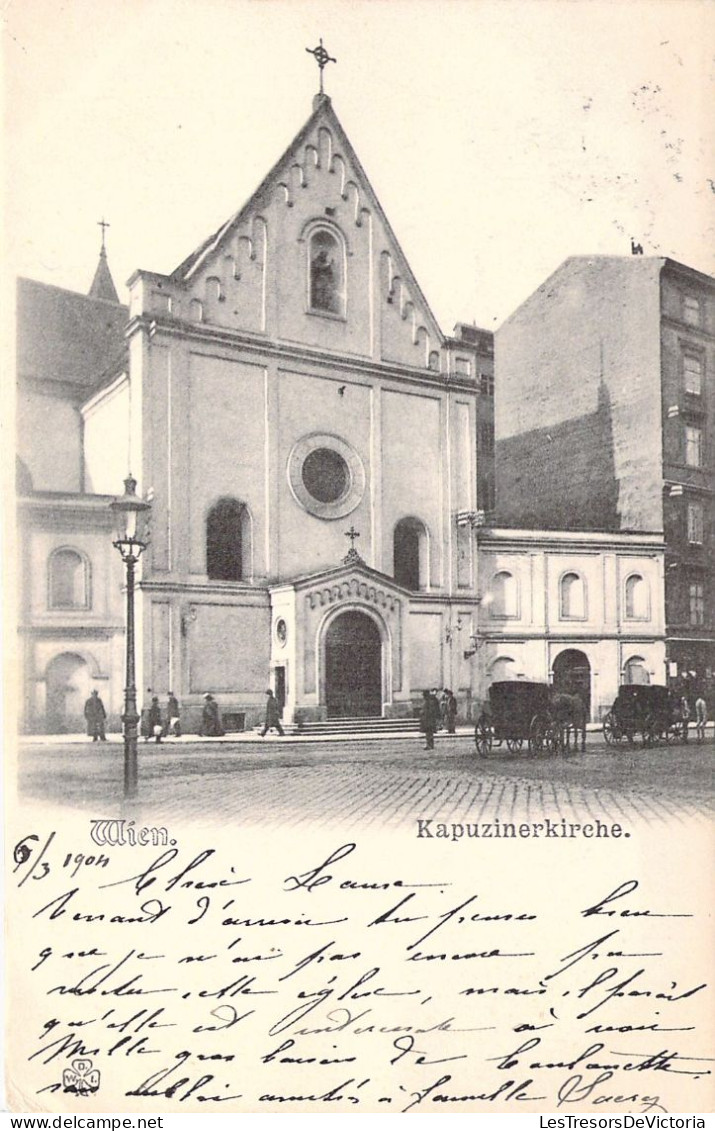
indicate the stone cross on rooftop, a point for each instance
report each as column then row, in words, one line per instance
column 322, row 59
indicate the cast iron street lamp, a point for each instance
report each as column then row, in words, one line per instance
column 131, row 515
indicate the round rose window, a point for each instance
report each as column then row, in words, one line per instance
column 325, row 475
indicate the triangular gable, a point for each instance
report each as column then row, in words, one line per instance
column 230, row 267
column 344, row 572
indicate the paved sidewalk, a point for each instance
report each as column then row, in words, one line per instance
column 594, row 732
column 373, row 782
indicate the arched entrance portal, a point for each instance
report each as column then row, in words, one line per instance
column 353, row 667
column 67, row 678
column 572, row 675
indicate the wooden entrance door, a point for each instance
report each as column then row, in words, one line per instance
column 353, row 667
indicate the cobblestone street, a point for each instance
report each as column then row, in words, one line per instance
column 372, row 782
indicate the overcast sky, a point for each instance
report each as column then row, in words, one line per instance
column 500, row 136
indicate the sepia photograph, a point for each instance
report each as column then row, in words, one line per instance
column 358, row 512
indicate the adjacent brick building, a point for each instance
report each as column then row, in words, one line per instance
column 605, row 422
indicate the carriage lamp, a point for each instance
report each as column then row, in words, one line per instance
column 131, row 519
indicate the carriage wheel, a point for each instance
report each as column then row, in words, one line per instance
column 541, row 735
column 650, row 732
column 674, row 733
column 611, row 730
column 483, row 736
column 514, row 744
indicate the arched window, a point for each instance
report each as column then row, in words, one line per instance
column 228, row 537
column 636, row 597
column 502, row 668
column 572, row 597
column 504, row 596
column 326, row 273
column 410, row 554
column 635, row 670
column 69, row 587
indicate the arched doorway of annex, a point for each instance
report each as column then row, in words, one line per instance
column 504, row 667
column 572, row 675
column 68, row 681
column 354, row 663
column 635, row 670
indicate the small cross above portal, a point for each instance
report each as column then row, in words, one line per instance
column 322, row 59
column 352, row 555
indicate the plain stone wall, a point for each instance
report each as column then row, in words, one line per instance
column 578, row 402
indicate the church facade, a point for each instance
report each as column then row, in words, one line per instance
column 287, row 384
column 308, row 439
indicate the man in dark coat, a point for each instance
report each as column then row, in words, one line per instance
column 273, row 715
column 449, row 711
column 211, row 719
column 429, row 718
column 154, row 722
column 172, row 723
column 144, row 725
column 95, row 715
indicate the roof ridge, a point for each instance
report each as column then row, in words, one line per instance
column 71, row 293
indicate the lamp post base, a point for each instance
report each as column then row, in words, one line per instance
column 131, row 774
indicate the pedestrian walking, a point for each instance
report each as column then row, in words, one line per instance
column 144, row 724
column 701, row 717
column 156, row 728
column 429, row 718
column 685, row 715
column 211, row 725
column 443, row 699
column 172, row 724
column 273, row 715
column 95, row 715
column 449, row 711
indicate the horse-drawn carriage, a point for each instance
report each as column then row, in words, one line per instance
column 517, row 712
column 645, row 709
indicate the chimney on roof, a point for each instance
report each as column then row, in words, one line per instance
column 466, row 333
column 103, row 283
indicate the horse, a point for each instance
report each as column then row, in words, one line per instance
column 569, row 714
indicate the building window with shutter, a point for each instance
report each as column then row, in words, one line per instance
column 697, row 603
column 693, row 375
column 693, row 446
column 691, row 310
column 695, row 523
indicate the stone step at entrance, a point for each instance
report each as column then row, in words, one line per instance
column 350, row 727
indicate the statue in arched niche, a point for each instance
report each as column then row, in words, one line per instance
column 325, row 273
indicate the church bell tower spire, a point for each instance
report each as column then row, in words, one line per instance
column 103, row 283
